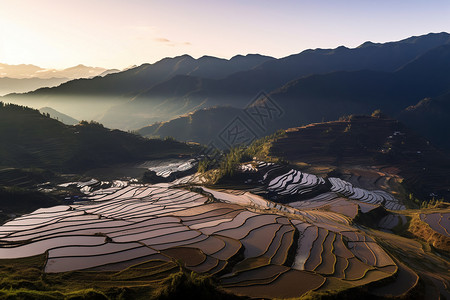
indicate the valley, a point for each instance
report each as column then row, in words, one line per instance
column 319, row 175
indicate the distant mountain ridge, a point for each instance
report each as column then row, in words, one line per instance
column 23, row 85
column 238, row 89
column 27, row 78
column 32, row 71
column 309, row 86
column 68, row 120
column 329, row 96
column 125, row 86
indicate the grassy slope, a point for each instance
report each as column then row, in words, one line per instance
column 24, row 278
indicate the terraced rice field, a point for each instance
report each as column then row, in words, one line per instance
column 95, row 187
column 391, row 221
column 439, row 222
column 316, row 191
column 164, row 168
column 253, row 246
column 288, row 182
column 371, row 197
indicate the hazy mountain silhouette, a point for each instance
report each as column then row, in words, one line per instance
column 329, row 96
column 23, row 85
column 32, row 140
column 201, row 126
column 238, row 89
column 117, row 88
column 19, row 71
column 26, row 78
column 68, row 120
column 32, row 71
column 107, row 72
column 311, row 86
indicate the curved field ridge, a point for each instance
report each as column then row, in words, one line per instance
column 284, row 181
column 372, row 197
column 252, row 248
column 439, row 222
column 288, row 182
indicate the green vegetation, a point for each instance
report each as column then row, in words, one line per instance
column 225, row 166
column 434, row 203
column 24, row 279
column 378, row 114
column 425, row 232
column 33, row 140
column 189, row 285
column 349, row 294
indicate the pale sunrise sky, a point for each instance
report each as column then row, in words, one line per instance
column 120, row 33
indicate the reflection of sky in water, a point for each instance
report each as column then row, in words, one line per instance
column 164, row 170
column 40, row 247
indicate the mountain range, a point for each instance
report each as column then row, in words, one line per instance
column 25, row 78
column 68, row 120
column 23, row 85
column 31, row 71
column 311, row 86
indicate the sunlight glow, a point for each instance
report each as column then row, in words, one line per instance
column 117, row 34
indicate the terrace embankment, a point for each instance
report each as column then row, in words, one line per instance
column 432, row 228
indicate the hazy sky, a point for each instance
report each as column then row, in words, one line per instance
column 120, row 33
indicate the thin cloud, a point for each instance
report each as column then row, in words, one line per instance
column 162, row 40
column 170, row 43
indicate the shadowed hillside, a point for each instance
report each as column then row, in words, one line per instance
column 68, row 120
column 380, row 147
column 122, row 87
column 315, row 84
column 364, row 78
column 430, row 117
column 329, row 96
column 23, row 85
column 202, row 126
column 30, row 139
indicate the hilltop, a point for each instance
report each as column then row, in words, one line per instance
column 430, row 118
column 374, row 151
column 26, row 78
column 68, row 120
column 310, row 86
column 24, row 71
column 119, row 88
column 33, row 140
